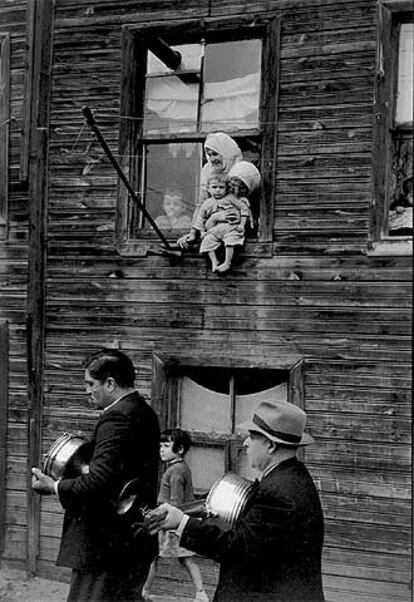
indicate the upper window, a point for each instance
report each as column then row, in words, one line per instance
column 179, row 85
column 400, row 211
column 393, row 134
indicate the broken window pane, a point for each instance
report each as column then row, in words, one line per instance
column 172, row 97
column 231, row 85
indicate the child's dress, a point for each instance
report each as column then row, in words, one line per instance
column 176, row 489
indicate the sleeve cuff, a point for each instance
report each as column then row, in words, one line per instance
column 55, row 487
column 182, row 525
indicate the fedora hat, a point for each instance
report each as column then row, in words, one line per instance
column 279, row 421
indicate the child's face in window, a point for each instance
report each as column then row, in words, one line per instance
column 238, row 187
column 217, row 189
column 214, row 158
column 166, row 451
column 173, row 205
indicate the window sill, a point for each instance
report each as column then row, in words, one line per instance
column 390, row 247
column 142, row 248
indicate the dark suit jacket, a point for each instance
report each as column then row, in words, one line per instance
column 273, row 554
column 125, row 445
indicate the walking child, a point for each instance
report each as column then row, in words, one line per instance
column 177, row 489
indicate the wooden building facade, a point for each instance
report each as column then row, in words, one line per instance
column 318, row 299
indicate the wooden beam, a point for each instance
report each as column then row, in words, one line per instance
column 28, row 91
column 4, row 381
column 268, row 113
column 4, row 125
column 36, row 301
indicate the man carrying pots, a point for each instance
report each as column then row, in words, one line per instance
column 273, row 552
column 109, row 560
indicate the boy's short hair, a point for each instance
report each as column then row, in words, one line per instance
column 111, row 363
column 179, row 439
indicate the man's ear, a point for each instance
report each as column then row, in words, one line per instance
column 272, row 446
column 110, row 383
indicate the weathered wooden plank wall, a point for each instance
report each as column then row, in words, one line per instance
column 13, row 292
column 319, row 296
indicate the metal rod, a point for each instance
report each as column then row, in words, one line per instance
column 92, row 122
column 171, row 58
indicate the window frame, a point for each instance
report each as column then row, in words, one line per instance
column 131, row 131
column 165, row 388
column 389, row 14
column 4, row 130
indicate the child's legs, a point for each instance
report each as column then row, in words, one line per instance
column 213, row 259
column 227, row 260
column 229, row 255
column 193, row 571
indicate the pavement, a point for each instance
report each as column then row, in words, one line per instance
column 17, row 586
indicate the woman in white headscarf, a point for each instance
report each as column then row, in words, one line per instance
column 222, row 152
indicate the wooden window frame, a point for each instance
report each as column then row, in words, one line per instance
column 389, row 13
column 165, row 393
column 133, row 79
column 4, row 130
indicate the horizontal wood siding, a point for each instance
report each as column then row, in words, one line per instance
column 13, row 292
column 318, row 296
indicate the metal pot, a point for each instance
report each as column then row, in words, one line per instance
column 66, row 457
column 228, row 497
column 226, row 500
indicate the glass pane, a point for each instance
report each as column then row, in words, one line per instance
column 172, row 183
column 404, row 101
column 232, row 85
column 204, row 410
column 207, row 465
column 246, row 404
column 171, row 99
column 171, row 106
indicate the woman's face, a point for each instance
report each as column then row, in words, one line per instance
column 214, row 158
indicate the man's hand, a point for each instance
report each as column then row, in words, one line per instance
column 41, row 483
column 164, row 517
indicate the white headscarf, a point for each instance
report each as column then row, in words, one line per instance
column 247, row 173
column 226, row 147
column 230, row 152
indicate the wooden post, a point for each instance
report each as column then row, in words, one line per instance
column 4, row 128
column 38, row 177
column 4, row 386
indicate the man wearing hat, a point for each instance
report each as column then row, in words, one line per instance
column 273, row 552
